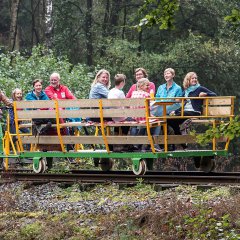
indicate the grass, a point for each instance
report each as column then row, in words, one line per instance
column 180, row 213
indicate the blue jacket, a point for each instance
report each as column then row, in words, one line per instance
column 197, row 103
column 31, row 96
column 98, row 91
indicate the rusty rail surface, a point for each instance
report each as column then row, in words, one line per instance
column 152, row 177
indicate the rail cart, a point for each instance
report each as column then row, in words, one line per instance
column 99, row 144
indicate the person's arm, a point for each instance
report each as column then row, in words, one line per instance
column 152, row 87
column 206, row 92
column 69, row 94
column 5, row 100
column 179, row 92
column 50, row 93
column 102, row 91
column 132, row 88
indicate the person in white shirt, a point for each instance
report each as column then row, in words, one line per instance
column 117, row 93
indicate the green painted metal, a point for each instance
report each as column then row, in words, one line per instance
column 135, row 163
column 133, row 155
column 36, row 162
column 94, row 154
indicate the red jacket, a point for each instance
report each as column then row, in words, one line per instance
column 62, row 93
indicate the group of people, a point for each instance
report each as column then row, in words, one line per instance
column 143, row 88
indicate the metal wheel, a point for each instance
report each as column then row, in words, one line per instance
column 42, row 166
column 197, row 162
column 207, row 164
column 142, row 168
column 106, row 164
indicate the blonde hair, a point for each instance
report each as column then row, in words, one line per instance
column 186, row 81
column 142, row 70
column 171, row 70
column 99, row 73
column 14, row 92
column 142, row 82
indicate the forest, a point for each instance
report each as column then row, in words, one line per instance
column 77, row 38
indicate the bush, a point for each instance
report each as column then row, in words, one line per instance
column 19, row 70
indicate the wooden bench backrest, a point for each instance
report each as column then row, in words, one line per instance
column 81, row 108
column 218, row 107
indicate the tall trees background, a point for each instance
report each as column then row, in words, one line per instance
column 93, row 34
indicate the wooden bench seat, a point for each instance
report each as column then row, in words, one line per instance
column 216, row 109
column 85, row 109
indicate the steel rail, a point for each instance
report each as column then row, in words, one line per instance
column 100, row 177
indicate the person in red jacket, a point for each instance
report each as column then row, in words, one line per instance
column 57, row 91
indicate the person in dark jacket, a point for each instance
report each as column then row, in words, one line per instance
column 192, row 107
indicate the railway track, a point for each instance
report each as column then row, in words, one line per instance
column 127, row 177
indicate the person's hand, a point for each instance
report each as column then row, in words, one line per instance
column 172, row 113
column 202, row 94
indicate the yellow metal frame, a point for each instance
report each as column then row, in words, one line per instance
column 147, row 112
column 102, row 125
column 58, row 126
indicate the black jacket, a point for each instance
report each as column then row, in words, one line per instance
column 197, row 103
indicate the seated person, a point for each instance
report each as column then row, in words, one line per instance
column 100, row 88
column 38, row 94
column 116, row 93
column 142, row 92
column 139, row 74
column 167, row 90
column 16, row 96
column 192, row 107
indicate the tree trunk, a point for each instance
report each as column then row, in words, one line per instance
column 115, row 16
column 140, row 43
column 14, row 8
column 49, row 24
column 124, row 20
column 88, row 31
column 105, row 27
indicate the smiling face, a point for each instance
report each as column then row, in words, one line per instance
column 18, row 95
column 103, row 79
column 139, row 74
column 54, row 81
column 193, row 80
column 168, row 76
column 37, row 88
column 145, row 87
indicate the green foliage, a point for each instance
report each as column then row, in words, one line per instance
column 205, row 226
column 159, row 13
column 31, row 231
column 234, row 19
column 18, row 70
column 230, row 130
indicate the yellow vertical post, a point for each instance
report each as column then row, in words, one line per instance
column 17, row 126
column 207, row 102
column 148, row 125
column 102, row 125
column 58, row 126
column 214, row 138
